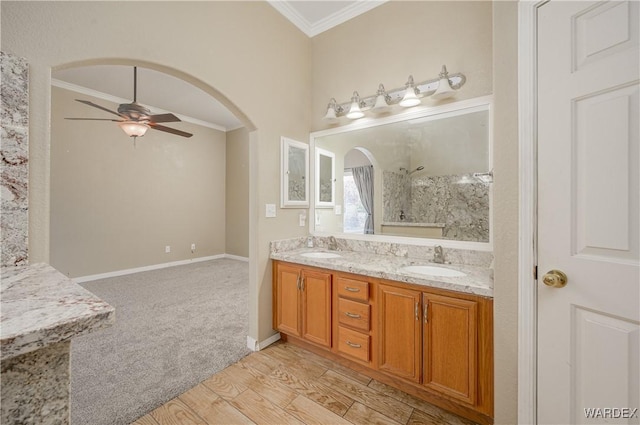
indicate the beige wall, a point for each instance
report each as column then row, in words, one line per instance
column 400, row 38
column 237, row 193
column 233, row 50
column 505, row 209
column 115, row 206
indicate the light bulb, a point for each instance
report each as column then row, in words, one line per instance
column 410, row 98
column 354, row 111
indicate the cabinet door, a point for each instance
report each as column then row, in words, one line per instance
column 399, row 331
column 450, row 347
column 316, row 307
column 288, row 300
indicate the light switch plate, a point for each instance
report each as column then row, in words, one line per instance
column 338, row 209
column 270, row 210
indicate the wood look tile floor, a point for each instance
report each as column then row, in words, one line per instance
column 284, row 384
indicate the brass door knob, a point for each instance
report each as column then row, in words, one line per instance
column 555, row 279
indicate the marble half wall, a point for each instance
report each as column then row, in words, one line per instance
column 459, row 201
column 14, row 167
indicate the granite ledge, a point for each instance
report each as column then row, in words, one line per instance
column 40, row 306
column 412, row 224
column 478, row 280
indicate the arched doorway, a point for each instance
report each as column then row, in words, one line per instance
column 125, row 201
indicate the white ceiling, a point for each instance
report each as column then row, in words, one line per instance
column 164, row 93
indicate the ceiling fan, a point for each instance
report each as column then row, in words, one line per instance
column 135, row 119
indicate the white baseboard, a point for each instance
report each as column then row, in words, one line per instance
column 89, row 278
column 236, row 257
column 254, row 345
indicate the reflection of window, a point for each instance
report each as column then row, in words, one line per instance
column 355, row 215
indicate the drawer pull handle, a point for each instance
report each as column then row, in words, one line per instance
column 354, row 345
column 350, row 289
column 352, row 315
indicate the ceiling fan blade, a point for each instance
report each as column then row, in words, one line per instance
column 86, row 102
column 164, row 118
column 92, row 119
column 169, row 130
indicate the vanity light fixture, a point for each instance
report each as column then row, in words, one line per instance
column 354, row 110
column 382, row 101
column 410, row 97
column 411, row 94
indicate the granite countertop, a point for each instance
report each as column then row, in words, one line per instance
column 478, row 280
column 41, row 306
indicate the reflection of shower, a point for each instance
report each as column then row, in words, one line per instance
column 420, row 168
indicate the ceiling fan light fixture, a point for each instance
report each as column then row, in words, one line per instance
column 134, row 128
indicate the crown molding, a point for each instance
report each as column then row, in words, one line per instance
column 335, row 19
column 118, row 100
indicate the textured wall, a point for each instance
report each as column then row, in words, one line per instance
column 14, row 167
column 237, row 193
column 505, row 216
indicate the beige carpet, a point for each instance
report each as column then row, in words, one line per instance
column 174, row 328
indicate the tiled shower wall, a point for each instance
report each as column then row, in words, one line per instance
column 14, row 167
column 458, row 201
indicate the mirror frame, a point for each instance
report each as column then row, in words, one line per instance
column 459, row 107
column 316, row 187
column 285, row 145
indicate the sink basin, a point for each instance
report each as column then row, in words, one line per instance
column 320, row 255
column 433, row 271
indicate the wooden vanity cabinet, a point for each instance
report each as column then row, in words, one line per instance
column 302, row 303
column 432, row 343
column 440, row 340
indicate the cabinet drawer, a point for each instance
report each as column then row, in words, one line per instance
column 354, row 289
column 354, row 314
column 353, row 344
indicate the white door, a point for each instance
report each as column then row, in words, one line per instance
column 588, row 215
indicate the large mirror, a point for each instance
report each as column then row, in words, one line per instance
column 423, row 174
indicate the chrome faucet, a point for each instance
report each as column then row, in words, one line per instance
column 438, row 255
column 333, row 244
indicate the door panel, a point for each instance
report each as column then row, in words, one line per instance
column 399, row 331
column 316, row 307
column 450, row 346
column 288, row 294
column 588, row 210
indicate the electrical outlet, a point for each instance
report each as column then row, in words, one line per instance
column 167, row 249
column 193, row 247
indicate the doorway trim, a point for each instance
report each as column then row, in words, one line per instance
column 527, row 220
